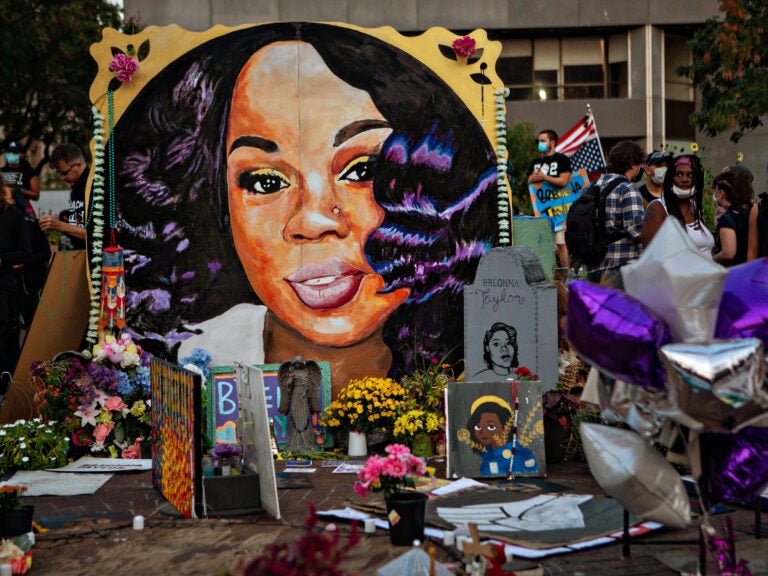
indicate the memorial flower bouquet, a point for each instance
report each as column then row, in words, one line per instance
column 394, row 472
column 32, row 445
column 104, row 403
column 365, row 405
column 426, row 385
column 414, row 424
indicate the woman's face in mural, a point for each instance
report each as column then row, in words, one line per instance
column 489, row 430
column 502, row 351
column 300, row 145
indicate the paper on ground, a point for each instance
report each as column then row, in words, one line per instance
column 90, row 464
column 44, row 483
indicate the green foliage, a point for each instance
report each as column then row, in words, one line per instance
column 521, row 146
column 730, row 70
column 47, row 68
column 32, row 445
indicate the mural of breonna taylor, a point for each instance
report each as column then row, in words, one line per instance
column 302, row 189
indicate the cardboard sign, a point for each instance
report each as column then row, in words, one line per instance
column 552, row 202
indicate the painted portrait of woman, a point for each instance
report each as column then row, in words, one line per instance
column 302, row 189
column 500, row 350
column 491, row 432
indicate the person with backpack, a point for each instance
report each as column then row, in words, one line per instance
column 604, row 223
column 682, row 198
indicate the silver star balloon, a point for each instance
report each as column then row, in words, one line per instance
column 718, row 384
column 675, row 280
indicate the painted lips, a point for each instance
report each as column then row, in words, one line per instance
column 330, row 284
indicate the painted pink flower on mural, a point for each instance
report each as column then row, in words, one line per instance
column 123, row 67
column 464, row 46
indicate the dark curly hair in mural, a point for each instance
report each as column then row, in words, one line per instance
column 435, row 180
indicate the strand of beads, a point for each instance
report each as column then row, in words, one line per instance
column 501, row 168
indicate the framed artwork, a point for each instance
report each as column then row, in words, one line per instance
column 223, row 406
column 495, row 429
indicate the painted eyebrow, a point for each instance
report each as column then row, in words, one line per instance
column 254, row 142
column 355, row 128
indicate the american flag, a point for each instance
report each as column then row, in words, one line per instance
column 582, row 145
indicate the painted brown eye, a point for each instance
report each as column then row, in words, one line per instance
column 263, row 181
column 359, row 170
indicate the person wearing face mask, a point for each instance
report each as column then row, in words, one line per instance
column 732, row 191
column 682, row 193
column 555, row 168
column 655, row 168
column 19, row 173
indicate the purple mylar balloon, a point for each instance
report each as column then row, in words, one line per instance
column 744, row 306
column 734, row 466
column 617, row 333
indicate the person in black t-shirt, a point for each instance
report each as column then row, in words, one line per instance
column 68, row 162
column 555, row 168
column 732, row 191
column 655, row 169
column 18, row 172
column 14, row 251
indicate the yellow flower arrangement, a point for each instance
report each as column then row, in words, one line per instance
column 365, row 405
column 414, row 423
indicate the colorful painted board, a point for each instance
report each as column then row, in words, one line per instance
column 302, row 188
column 552, row 202
column 177, row 436
column 495, row 429
column 223, row 402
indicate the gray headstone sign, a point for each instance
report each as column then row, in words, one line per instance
column 510, row 318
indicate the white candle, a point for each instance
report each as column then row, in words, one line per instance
column 5, row 570
column 138, row 522
column 370, row 525
column 460, row 542
column 449, row 538
column 31, row 537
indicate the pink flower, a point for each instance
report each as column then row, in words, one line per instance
column 361, row 489
column 464, row 46
column 398, row 450
column 115, row 403
column 395, row 468
column 87, row 414
column 133, row 452
column 124, row 67
column 101, row 432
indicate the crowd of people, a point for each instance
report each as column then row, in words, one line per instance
column 674, row 186
column 26, row 242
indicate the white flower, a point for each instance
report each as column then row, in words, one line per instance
column 23, row 445
column 25, row 459
column 2, row 432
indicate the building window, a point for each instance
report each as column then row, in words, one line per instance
column 564, row 68
column 679, row 101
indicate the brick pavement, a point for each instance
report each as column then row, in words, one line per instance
column 107, row 543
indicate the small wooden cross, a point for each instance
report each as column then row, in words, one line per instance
column 471, row 549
